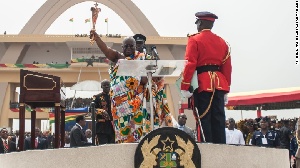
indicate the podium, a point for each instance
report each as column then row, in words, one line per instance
column 42, row 90
column 151, row 68
column 164, row 68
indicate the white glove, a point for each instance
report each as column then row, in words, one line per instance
column 226, row 99
column 186, row 93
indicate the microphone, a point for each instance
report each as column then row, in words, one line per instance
column 144, row 50
column 153, row 48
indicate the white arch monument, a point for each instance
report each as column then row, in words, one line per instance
column 52, row 9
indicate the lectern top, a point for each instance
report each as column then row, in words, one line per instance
column 172, row 68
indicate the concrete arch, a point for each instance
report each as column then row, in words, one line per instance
column 52, row 9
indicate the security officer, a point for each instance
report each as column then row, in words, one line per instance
column 274, row 127
column 265, row 137
column 140, row 42
column 209, row 54
column 104, row 128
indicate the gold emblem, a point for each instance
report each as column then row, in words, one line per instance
column 149, row 154
column 166, row 156
column 168, row 147
column 185, row 156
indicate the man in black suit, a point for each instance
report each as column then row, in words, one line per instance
column 104, row 128
column 285, row 136
column 40, row 143
column 6, row 145
column 16, row 139
column 77, row 135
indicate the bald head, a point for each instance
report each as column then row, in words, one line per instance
column 128, row 39
column 105, row 85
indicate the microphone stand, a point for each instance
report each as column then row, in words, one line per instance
column 93, row 111
column 145, row 51
column 150, row 70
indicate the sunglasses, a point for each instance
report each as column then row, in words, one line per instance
column 139, row 42
column 128, row 45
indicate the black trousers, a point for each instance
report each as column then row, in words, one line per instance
column 104, row 138
column 213, row 123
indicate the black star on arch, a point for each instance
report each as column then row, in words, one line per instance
column 89, row 62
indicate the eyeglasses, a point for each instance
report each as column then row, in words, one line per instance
column 128, row 45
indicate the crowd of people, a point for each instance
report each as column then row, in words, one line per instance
column 78, row 102
column 9, row 141
column 264, row 132
column 107, row 35
column 249, row 132
column 71, row 103
column 244, row 132
column 44, row 140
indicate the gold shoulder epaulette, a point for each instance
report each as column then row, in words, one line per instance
column 190, row 35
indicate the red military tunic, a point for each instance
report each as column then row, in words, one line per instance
column 206, row 48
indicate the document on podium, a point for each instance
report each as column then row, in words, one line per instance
column 194, row 83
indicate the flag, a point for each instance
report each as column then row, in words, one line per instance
column 106, row 20
column 71, row 20
column 87, row 20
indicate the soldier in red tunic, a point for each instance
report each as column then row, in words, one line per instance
column 209, row 55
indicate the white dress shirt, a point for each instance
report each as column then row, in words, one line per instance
column 234, row 137
column 181, row 127
column 17, row 141
column 67, row 145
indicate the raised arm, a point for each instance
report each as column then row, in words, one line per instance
column 111, row 54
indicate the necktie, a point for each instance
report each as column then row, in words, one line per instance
column 5, row 146
column 36, row 143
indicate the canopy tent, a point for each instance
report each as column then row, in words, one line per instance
column 275, row 99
